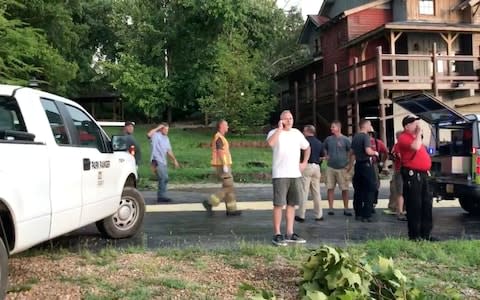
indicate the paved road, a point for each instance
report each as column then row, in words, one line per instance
column 185, row 223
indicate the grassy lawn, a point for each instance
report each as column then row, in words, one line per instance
column 189, row 148
column 451, row 267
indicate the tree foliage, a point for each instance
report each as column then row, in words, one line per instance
column 222, row 54
column 25, row 53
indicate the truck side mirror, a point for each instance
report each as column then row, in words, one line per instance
column 119, row 143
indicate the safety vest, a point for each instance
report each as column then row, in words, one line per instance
column 227, row 158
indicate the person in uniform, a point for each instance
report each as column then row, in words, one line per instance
column 415, row 167
column 364, row 180
column 132, row 146
column 222, row 163
column 378, row 162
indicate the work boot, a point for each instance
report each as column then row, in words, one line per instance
column 234, row 213
column 208, row 206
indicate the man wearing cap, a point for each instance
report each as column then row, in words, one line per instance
column 415, row 168
column 132, row 146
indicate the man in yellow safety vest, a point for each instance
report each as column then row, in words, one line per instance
column 222, row 163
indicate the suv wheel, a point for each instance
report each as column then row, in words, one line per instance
column 127, row 219
column 470, row 205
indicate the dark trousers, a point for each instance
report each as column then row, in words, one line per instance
column 364, row 184
column 418, row 202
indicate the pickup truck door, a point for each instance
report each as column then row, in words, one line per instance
column 65, row 171
column 100, row 194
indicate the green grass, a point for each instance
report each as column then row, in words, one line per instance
column 195, row 159
column 442, row 268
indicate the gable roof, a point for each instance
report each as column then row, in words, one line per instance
column 334, row 8
column 464, row 4
column 312, row 23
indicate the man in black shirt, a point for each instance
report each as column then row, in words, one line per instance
column 311, row 176
column 132, row 146
column 364, row 181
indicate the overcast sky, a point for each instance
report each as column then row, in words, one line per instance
column 309, row 7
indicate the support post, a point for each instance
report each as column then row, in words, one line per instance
column 381, row 96
column 314, row 99
column 297, row 117
column 434, row 70
column 355, row 90
column 335, row 91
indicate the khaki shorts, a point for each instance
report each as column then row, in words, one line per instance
column 397, row 182
column 337, row 176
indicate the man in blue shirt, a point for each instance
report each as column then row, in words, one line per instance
column 161, row 148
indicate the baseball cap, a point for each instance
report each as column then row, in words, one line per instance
column 409, row 119
column 127, row 123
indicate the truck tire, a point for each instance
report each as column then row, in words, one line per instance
column 3, row 270
column 470, row 205
column 128, row 218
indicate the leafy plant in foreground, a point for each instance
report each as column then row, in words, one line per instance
column 331, row 273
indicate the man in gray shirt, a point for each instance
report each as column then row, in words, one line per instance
column 161, row 148
column 337, row 148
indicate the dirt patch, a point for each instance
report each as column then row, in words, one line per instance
column 147, row 275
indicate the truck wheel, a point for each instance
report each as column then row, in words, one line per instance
column 128, row 218
column 470, row 205
column 3, row 270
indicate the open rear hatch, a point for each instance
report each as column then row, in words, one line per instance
column 430, row 109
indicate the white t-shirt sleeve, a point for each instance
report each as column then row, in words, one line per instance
column 304, row 144
column 270, row 133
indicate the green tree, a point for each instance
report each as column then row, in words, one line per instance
column 236, row 91
column 26, row 53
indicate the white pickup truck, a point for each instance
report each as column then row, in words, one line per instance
column 59, row 171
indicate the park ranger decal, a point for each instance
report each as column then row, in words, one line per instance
column 103, row 164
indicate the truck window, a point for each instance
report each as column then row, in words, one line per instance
column 89, row 134
column 56, row 122
column 455, row 142
column 10, row 115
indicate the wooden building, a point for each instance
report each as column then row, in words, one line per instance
column 366, row 53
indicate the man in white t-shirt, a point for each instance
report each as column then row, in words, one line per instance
column 286, row 143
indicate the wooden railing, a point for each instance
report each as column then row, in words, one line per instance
column 397, row 72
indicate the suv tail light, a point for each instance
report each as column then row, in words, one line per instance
column 131, row 150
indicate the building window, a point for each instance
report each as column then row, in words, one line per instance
column 427, row 7
column 317, row 46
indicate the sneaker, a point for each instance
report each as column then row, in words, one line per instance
column 278, row 240
column 208, row 206
column 295, row 238
column 298, row 219
column 402, row 218
column 319, row 219
column 347, row 213
column 234, row 213
column 331, row 213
